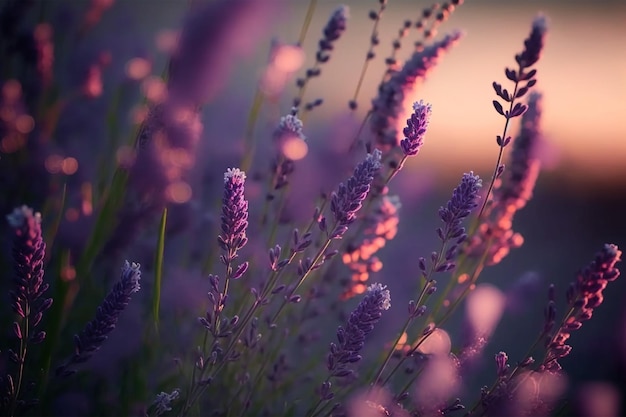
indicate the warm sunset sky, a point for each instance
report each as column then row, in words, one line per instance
column 582, row 75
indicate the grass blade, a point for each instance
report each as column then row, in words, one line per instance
column 158, row 270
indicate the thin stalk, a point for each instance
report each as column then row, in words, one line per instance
column 25, row 330
column 500, row 152
column 382, row 367
column 307, row 21
column 355, row 141
column 367, row 58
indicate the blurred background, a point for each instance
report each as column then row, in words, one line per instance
column 580, row 200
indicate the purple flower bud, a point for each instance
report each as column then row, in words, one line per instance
column 416, row 128
column 502, row 366
column 28, row 255
column 348, row 199
column 234, row 214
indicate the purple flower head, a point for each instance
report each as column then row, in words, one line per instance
column 234, row 214
column 534, row 43
column 416, row 128
column 348, row 199
column 524, row 80
column 464, row 200
column 583, row 296
column 502, row 365
column 289, row 127
column 163, row 402
column 334, row 28
column 389, row 103
column 28, row 253
column 91, row 338
column 351, row 339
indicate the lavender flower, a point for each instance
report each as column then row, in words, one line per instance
column 28, row 253
column 533, row 46
column 213, row 35
column 534, row 43
column 351, row 339
column 495, row 235
column 464, row 200
column 416, row 128
column 234, row 215
column 517, row 185
column 389, row 103
column 583, row 296
column 332, row 31
column 348, row 199
column 163, row 403
column 90, row 339
column 381, row 226
column 26, row 300
column 502, row 366
column 288, row 127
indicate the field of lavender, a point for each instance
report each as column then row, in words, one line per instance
column 190, row 232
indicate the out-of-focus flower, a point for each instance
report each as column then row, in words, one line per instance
column 583, row 296
column 284, row 61
column 388, row 105
column 381, row 226
column 91, row 338
column 214, row 33
column 28, row 252
column 511, row 192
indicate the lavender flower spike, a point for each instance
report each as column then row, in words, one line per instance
column 334, row 28
column 96, row 332
column 351, row 339
column 583, row 296
column 28, row 252
column 416, row 128
column 464, row 200
column 348, row 199
column 534, row 43
column 288, row 127
column 163, row 403
column 234, row 215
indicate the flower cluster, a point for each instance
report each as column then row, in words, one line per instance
column 253, row 348
column 351, row 339
column 389, row 103
column 416, row 128
column 28, row 253
column 234, row 216
column 349, row 197
column 91, row 338
column 583, row 296
column 495, row 235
